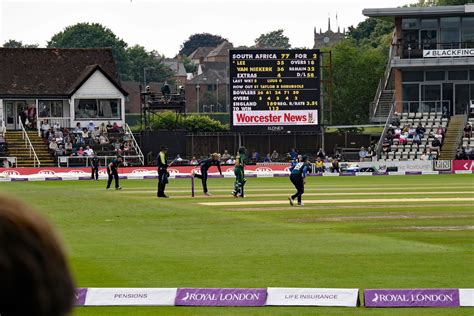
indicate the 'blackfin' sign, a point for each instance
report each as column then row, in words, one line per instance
column 437, row 53
column 412, row 298
column 220, row 297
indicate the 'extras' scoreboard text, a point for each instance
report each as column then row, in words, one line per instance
column 274, row 81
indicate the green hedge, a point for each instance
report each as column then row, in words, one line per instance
column 192, row 123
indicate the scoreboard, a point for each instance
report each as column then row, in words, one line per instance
column 274, row 90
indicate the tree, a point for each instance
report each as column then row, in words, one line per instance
column 85, row 35
column 452, row 2
column 18, row 44
column 356, row 73
column 200, row 40
column 371, row 32
column 140, row 60
column 189, row 65
column 274, row 39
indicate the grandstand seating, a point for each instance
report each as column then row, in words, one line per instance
column 408, row 150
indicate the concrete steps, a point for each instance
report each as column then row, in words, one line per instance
column 17, row 148
column 451, row 140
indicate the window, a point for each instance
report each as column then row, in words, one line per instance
column 429, row 23
column 435, row 75
column 450, row 22
column 467, row 36
column 457, row 75
column 51, row 108
column 412, row 76
column 410, row 24
column 97, row 109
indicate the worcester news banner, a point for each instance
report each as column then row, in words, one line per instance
column 274, row 90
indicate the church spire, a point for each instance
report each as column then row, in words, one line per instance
column 329, row 23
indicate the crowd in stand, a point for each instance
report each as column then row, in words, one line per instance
column 413, row 134
column 80, row 141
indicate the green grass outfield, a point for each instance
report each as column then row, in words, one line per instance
column 129, row 238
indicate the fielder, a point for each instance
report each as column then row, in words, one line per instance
column 239, row 173
column 298, row 178
column 205, row 165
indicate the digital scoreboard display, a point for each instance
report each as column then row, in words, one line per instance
column 274, row 90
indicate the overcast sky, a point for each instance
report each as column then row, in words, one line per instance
column 163, row 25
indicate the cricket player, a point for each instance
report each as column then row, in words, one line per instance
column 239, row 173
column 298, row 178
column 113, row 174
column 205, row 164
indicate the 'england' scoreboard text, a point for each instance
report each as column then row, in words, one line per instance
column 274, row 89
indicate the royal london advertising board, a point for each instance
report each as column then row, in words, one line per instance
column 274, row 90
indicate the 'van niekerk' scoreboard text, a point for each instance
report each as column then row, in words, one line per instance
column 274, row 90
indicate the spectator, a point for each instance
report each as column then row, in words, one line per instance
column 225, row 155
column 386, row 145
column 267, row 158
column 78, row 128
column 255, row 156
column 68, row 146
column 420, row 130
column 391, row 129
column 424, row 156
column 321, row 154
column 91, row 126
column 335, row 166
column 53, row 146
column 417, row 140
column 396, row 119
column 431, row 156
column 35, row 278
column 468, row 131
column 45, row 129
column 103, row 140
column 362, row 154
column 80, row 151
column 435, row 145
column 89, row 151
column 440, row 131
column 102, row 129
column 338, row 156
column 292, row 154
column 60, row 151
column 108, row 126
column 116, row 127
column 5, row 163
column 370, row 154
column 319, row 165
column 178, row 158
column 56, row 125
column 461, row 154
column 194, row 161
column 274, row 155
column 411, row 132
column 230, row 161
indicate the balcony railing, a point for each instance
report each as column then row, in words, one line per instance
column 415, row 50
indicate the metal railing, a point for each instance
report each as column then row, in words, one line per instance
column 135, row 144
column 11, row 161
column 62, row 121
column 436, row 106
column 84, row 160
column 378, row 150
column 26, row 138
column 3, row 127
column 383, row 82
column 415, row 49
column 461, row 132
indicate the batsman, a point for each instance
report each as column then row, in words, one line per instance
column 239, row 173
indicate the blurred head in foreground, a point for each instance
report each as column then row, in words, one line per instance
column 34, row 275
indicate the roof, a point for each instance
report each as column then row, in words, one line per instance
column 52, row 71
column 176, row 66
column 221, row 50
column 210, row 76
column 200, row 52
column 458, row 10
